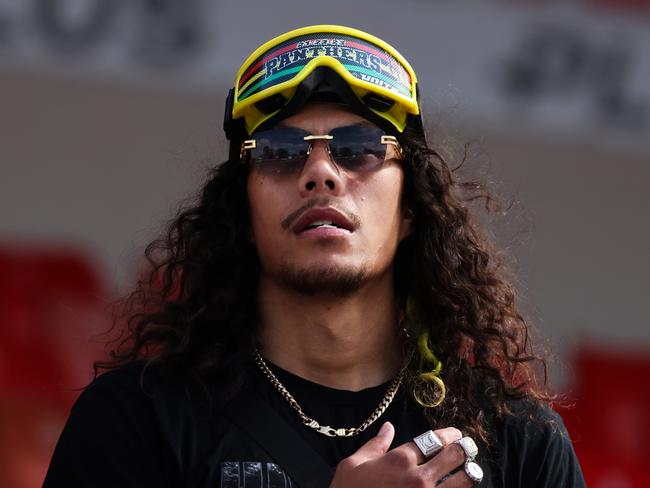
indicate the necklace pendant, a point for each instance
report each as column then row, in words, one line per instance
column 332, row 432
column 327, row 430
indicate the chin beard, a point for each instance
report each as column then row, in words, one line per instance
column 329, row 281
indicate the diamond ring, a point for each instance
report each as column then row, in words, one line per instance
column 473, row 472
column 428, row 443
column 469, row 446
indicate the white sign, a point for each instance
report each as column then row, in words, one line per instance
column 565, row 71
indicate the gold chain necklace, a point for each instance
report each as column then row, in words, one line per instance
column 326, row 429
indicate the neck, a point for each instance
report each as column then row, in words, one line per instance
column 348, row 343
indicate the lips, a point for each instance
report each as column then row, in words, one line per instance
column 323, row 218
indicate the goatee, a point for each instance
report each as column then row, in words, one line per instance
column 329, row 281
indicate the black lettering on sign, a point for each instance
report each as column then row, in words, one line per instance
column 550, row 61
column 171, row 32
column 74, row 26
column 5, row 29
column 554, row 62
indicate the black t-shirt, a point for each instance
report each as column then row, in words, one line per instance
column 119, row 435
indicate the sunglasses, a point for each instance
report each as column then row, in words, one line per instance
column 284, row 150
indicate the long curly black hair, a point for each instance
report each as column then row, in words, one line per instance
column 196, row 311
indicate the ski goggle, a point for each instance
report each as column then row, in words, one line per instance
column 284, row 150
column 377, row 73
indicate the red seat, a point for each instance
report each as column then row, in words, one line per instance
column 52, row 304
column 610, row 423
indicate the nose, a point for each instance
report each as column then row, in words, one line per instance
column 320, row 174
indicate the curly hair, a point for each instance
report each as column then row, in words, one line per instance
column 196, row 311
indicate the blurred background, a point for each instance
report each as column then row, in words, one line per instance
column 111, row 113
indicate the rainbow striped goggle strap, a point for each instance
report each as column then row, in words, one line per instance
column 365, row 62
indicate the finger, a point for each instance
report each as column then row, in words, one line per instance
column 447, row 436
column 447, row 460
column 457, row 480
column 375, row 447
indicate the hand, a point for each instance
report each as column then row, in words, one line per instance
column 373, row 465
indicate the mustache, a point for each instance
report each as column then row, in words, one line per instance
column 290, row 219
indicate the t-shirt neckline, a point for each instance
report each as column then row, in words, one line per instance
column 302, row 388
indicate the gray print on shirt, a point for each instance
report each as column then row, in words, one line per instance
column 250, row 474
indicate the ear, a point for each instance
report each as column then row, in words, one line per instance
column 406, row 228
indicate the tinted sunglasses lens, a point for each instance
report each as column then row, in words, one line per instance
column 358, row 147
column 280, row 151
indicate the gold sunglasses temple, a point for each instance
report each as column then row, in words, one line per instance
column 248, row 144
column 392, row 140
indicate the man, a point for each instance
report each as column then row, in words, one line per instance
column 327, row 313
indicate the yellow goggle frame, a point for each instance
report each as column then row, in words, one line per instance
column 366, row 63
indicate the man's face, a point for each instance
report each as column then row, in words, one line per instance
column 365, row 208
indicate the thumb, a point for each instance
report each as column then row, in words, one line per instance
column 375, row 447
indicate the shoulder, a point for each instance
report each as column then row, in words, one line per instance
column 123, row 378
column 138, row 398
column 141, row 388
column 530, row 425
column 114, row 424
column 134, row 426
column 128, row 382
column 533, row 447
column 531, row 416
column 122, row 398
